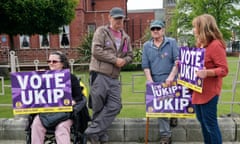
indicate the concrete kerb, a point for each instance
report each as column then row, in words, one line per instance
column 133, row 130
column 13, row 129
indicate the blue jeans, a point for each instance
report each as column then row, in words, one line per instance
column 164, row 125
column 207, row 116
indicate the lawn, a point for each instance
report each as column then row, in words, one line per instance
column 133, row 87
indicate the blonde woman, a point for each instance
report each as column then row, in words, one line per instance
column 208, row 36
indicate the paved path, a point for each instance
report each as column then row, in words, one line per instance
column 23, row 142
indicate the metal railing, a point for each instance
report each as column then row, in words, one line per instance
column 233, row 91
column 2, row 91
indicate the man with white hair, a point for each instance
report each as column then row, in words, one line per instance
column 160, row 54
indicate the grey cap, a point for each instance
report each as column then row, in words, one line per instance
column 157, row 23
column 116, row 12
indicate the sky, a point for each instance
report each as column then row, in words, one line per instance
column 144, row 4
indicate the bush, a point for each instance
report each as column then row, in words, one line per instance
column 4, row 71
column 85, row 48
column 132, row 67
column 137, row 59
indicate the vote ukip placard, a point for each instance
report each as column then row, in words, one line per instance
column 168, row 101
column 41, row 91
column 191, row 60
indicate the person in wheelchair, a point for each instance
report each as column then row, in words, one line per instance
column 57, row 61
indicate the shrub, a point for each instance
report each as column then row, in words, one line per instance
column 85, row 49
column 4, row 71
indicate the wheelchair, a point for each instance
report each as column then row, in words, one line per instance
column 80, row 117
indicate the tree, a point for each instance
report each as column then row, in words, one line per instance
column 30, row 17
column 225, row 12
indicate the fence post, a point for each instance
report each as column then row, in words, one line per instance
column 236, row 81
column 36, row 62
column 71, row 62
column 12, row 61
column 2, row 92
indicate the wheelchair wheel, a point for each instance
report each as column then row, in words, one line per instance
column 83, row 139
column 28, row 138
column 79, row 138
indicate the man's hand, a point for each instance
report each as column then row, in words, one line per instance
column 149, row 81
column 120, row 62
column 169, row 80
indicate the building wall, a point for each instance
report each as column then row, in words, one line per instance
column 169, row 6
column 138, row 22
column 88, row 12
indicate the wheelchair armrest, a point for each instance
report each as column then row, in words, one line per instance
column 80, row 116
column 30, row 119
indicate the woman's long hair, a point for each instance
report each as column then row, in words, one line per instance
column 207, row 30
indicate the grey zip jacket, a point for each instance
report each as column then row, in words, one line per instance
column 105, row 53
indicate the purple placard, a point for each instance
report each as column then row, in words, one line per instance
column 168, row 101
column 191, row 60
column 41, row 91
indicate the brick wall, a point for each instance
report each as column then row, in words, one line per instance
column 87, row 12
column 138, row 22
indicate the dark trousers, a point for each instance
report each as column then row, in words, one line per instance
column 207, row 116
column 106, row 104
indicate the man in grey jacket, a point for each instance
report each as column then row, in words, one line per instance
column 111, row 50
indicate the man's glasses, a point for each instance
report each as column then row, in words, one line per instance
column 155, row 28
column 53, row 61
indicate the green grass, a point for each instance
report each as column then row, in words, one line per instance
column 227, row 96
column 133, row 97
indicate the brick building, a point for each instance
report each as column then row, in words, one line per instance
column 169, row 6
column 139, row 21
column 89, row 14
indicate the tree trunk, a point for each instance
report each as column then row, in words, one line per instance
column 11, row 42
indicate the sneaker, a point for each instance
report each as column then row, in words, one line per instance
column 103, row 139
column 93, row 139
column 165, row 140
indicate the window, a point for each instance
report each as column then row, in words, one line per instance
column 24, row 42
column 64, row 37
column 236, row 46
column 171, row 3
column 91, row 28
column 44, row 41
